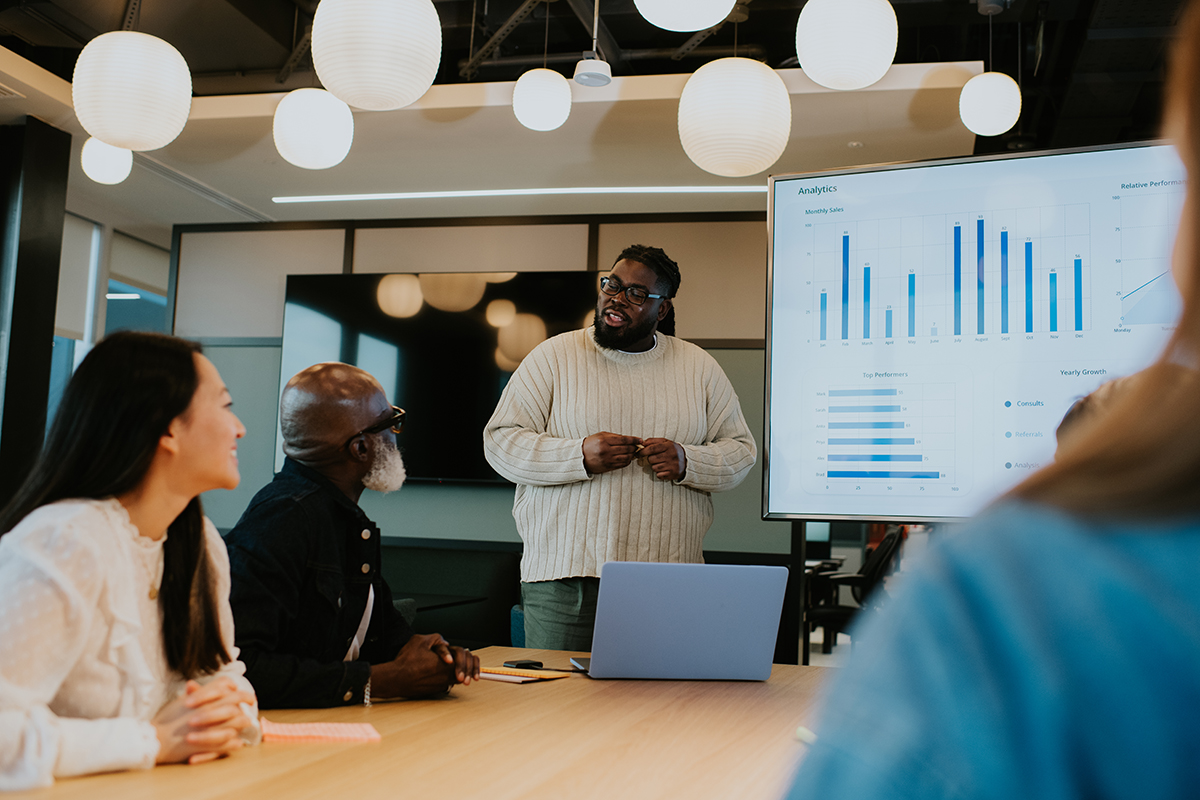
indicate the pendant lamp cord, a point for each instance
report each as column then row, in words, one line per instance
column 735, row 33
column 546, row 46
column 991, row 62
column 596, row 30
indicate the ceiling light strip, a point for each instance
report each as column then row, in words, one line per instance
column 568, row 190
column 196, row 187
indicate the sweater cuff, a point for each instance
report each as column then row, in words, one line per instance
column 580, row 471
column 689, row 471
column 88, row 746
column 706, row 474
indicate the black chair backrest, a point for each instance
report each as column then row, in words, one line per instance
column 876, row 566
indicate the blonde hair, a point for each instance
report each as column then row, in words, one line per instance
column 1085, row 411
column 1142, row 459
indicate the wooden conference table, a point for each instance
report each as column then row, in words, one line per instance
column 564, row 739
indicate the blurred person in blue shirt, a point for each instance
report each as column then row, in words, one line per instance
column 1052, row 649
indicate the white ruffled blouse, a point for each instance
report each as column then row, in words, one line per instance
column 82, row 668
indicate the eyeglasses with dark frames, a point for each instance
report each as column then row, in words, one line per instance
column 395, row 422
column 634, row 294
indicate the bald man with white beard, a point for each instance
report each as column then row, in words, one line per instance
column 313, row 616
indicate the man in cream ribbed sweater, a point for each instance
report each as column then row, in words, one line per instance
column 615, row 436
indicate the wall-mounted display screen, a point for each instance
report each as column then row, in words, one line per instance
column 929, row 324
column 443, row 345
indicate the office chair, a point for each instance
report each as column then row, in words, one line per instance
column 864, row 586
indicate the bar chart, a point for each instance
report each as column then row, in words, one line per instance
column 885, row 434
column 909, row 276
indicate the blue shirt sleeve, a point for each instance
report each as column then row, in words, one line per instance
column 1033, row 655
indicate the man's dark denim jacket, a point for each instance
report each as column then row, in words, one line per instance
column 302, row 558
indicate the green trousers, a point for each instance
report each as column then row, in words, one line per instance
column 560, row 615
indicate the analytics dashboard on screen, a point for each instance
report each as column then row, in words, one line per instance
column 929, row 324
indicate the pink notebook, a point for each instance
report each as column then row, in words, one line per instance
column 319, row 731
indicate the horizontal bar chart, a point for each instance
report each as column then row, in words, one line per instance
column 895, row 426
column 874, row 457
column 888, row 474
column 863, row 392
column 849, row 426
column 902, row 440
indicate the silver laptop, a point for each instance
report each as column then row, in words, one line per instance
column 686, row 621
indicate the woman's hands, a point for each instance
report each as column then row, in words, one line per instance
column 204, row 724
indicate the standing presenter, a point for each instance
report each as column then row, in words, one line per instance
column 616, row 437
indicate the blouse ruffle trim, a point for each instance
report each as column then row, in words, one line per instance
column 120, row 600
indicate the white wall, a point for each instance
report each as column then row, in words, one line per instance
column 471, row 248
column 233, row 283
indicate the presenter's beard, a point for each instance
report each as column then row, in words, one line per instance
column 620, row 338
column 387, row 472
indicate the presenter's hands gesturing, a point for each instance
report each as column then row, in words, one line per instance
column 425, row 666
column 665, row 457
column 604, row 452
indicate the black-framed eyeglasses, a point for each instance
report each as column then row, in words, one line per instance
column 395, row 422
column 634, row 294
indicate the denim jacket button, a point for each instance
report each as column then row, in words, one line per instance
column 366, row 534
column 366, row 568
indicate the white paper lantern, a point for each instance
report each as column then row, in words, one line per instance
column 313, row 129
column 104, row 163
column 131, row 90
column 846, row 44
column 684, row 15
column 542, row 99
column 399, row 295
column 376, row 54
column 735, row 117
column 990, row 104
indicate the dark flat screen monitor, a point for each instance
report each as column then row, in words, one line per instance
column 929, row 324
column 443, row 345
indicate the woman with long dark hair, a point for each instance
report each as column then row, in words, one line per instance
column 1052, row 649
column 116, row 639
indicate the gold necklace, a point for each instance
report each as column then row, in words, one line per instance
column 149, row 571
